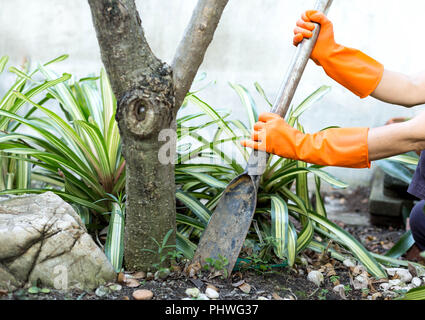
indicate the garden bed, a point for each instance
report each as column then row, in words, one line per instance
column 277, row 283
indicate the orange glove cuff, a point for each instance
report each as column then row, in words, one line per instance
column 354, row 70
column 342, row 147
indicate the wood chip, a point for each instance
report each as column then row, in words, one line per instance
column 139, row 275
column 245, row 287
column 237, row 284
column 209, row 285
column 276, row 296
column 121, row 277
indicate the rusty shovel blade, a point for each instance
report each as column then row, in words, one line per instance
column 231, row 220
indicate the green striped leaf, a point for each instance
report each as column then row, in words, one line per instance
column 185, row 246
column 415, row 294
column 279, row 222
column 195, row 206
column 3, row 62
column 114, row 245
column 248, row 102
column 350, row 242
column 405, row 242
column 310, row 100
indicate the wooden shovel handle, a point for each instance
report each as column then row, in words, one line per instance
column 257, row 162
column 297, row 66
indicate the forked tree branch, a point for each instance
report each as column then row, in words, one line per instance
column 191, row 50
column 125, row 52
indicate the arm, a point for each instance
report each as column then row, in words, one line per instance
column 397, row 138
column 341, row 147
column 401, row 89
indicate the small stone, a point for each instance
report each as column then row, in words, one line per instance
column 149, row 276
column 338, row 288
column 404, row 274
column 394, row 282
column 416, row 282
column 316, row 277
column 385, row 286
column 211, row 293
column 203, row 296
column 102, row 291
column 162, row 274
column 143, row 294
column 262, row 298
column 132, row 283
column 360, row 282
column 139, row 275
column 193, row 292
column 121, row 277
column 358, row 270
column 245, row 287
column 349, row 263
column 115, row 287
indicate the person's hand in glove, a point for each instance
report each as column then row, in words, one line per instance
column 345, row 147
column 353, row 69
column 341, row 147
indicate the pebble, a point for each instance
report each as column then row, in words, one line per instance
column 262, row 298
column 360, row 282
column 142, row 294
column 394, row 282
column 211, row 293
column 316, row 277
column 385, row 286
column 102, row 291
column 203, row 296
column 115, row 287
column 149, row 276
column 349, row 263
column 162, row 274
column 193, row 292
column 375, row 296
column 338, row 288
column 404, row 274
column 416, row 281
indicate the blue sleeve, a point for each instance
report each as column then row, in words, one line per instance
column 417, row 186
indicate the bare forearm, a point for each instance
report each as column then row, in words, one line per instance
column 397, row 138
column 401, row 89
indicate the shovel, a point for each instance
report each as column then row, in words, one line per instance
column 231, row 220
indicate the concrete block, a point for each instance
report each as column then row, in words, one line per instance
column 381, row 204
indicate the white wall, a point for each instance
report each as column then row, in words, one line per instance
column 252, row 43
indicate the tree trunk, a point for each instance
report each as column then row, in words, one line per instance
column 146, row 113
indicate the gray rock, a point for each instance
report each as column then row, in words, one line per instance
column 360, row 282
column 102, row 291
column 162, row 274
column 316, row 277
column 43, row 239
column 416, row 282
column 404, row 274
column 349, row 263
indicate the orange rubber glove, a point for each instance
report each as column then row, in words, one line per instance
column 342, row 147
column 351, row 68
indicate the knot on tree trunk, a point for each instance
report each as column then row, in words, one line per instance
column 147, row 109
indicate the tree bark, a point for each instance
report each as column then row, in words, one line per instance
column 146, row 114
